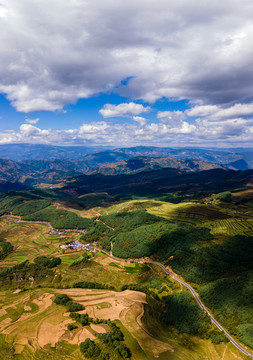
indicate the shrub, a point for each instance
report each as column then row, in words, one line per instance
column 54, row 262
column 73, row 306
column 71, row 326
column 62, row 299
column 83, row 319
column 41, row 260
column 90, row 349
column 22, row 273
column 186, row 316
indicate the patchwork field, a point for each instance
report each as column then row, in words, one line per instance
column 33, row 326
column 30, row 240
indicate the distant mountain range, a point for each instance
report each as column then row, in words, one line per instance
column 94, row 157
column 65, row 163
column 32, row 172
column 21, row 152
column 144, row 163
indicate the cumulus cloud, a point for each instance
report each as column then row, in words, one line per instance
column 32, row 121
column 232, row 123
column 203, row 110
column 171, row 117
column 139, row 119
column 201, row 132
column 213, row 112
column 54, row 53
column 110, row 110
column 212, row 124
column 30, row 131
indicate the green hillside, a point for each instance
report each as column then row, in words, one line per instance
column 204, row 237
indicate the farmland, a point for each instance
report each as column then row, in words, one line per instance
column 37, row 324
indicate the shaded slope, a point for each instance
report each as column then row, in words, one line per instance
column 161, row 181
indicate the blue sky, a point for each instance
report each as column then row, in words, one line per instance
column 135, row 73
column 85, row 110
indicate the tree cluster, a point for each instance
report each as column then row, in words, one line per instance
column 115, row 339
column 47, row 262
column 92, row 285
column 5, row 249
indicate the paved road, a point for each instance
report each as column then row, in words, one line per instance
column 201, row 305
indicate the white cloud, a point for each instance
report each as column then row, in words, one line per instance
column 139, row 119
column 28, row 130
column 201, row 132
column 55, row 52
column 233, row 111
column 171, row 117
column 3, row 11
column 123, row 109
column 203, row 110
column 32, row 121
column 215, row 113
column 214, row 126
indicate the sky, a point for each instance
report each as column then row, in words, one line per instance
column 126, row 73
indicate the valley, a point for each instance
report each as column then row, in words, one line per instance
column 192, row 236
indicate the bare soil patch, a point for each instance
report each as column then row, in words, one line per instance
column 51, row 334
column 98, row 328
column 17, row 291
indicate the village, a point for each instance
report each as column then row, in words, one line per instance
column 76, row 245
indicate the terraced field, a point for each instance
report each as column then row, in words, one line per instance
column 39, row 327
column 231, row 227
column 30, row 240
column 227, row 221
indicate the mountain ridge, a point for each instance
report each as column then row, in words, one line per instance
column 145, row 163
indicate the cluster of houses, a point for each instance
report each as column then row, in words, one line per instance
column 76, row 245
